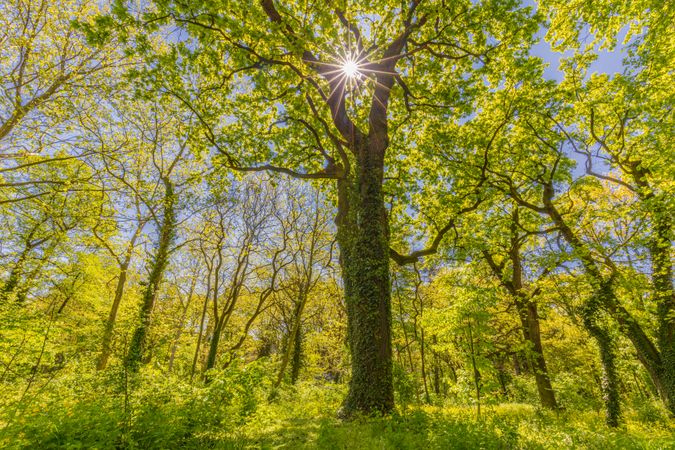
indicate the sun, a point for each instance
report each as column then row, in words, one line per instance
column 350, row 68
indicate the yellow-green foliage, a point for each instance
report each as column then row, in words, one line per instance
column 234, row 411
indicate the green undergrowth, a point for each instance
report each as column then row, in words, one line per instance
column 236, row 411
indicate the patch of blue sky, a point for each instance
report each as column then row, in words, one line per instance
column 608, row 61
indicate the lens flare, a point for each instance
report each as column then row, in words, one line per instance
column 350, row 68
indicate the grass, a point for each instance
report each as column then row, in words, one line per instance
column 506, row 426
column 237, row 414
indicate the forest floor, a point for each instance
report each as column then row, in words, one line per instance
column 506, row 426
column 503, row 426
column 232, row 414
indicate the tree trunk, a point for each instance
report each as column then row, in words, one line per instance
column 527, row 312
column 406, row 339
column 213, row 345
column 296, row 361
column 8, row 289
column 546, row 393
column 293, row 338
column 516, row 365
column 106, row 343
column 158, row 265
column 181, row 322
column 610, row 379
column 363, row 237
column 647, row 353
column 437, row 369
column 12, row 283
column 662, row 279
column 476, row 372
column 424, row 371
column 502, row 377
column 221, row 322
column 660, row 251
column 22, row 290
column 201, row 328
column 602, row 295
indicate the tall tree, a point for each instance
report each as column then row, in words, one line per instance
column 343, row 85
column 513, row 280
column 622, row 126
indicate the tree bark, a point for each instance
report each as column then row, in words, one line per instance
column 424, row 370
column 526, row 307
column 11, row 286
column 213, row 345
column 296, row 361
column 436, row 368
column 542, row 377
column 532, row 335
column 106, row 342
column 222, row 319
column 293, row 339
column 662, row 369
column 137, row 347
column 181, row 323
column 610, row 379
column 660, row 249
column 476, row 372
column 201, row 328
column 603, row 295
column 363, row 237
column 647, row 353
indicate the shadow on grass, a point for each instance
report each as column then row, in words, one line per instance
column 509, row 428
column 418, row 430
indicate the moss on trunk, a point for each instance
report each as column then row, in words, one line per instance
column 363, row 237
column 157, row 266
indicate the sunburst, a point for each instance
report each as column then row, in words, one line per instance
column 351, row 68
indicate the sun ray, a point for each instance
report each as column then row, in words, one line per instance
column 334, row 90
column 342, row 91
column 353, row 72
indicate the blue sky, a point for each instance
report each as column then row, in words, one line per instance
column 609, row 62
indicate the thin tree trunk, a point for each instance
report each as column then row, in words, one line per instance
column 23, row 289
column 106, row 343
column 137, row 348
column 406, row 339
column 293, row 334
column 201, row 331
column 213, row 345
column 181, row 322
column 501, row 376
column 437, row 369
column 476, row 373
column 538, row 362
column 10, row 286
column 296, row 362
column 419, row 313
column 222, row 319
column 424, row 372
